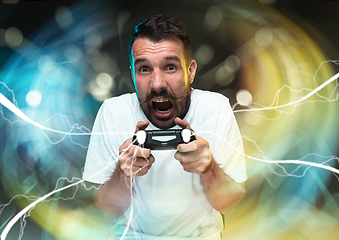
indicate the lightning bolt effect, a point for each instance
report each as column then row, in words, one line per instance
column 289, row 129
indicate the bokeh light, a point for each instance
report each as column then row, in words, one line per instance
column 13, row 37
column 213, row 17
column 63, row 17
column 10, row 1
column 33, row 98
column 244, row 97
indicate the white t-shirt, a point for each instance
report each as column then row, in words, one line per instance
column 167, row 201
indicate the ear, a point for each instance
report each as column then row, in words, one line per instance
column 132, row 72
column 133, row 79
column 191, row 70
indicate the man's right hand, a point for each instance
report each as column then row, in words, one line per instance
column 134, row 160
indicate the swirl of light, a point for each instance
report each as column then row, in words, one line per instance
column 280, row 64
column 60, row 77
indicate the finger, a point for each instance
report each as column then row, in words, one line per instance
column 138, row 169
column 142, row 125
column 182, row 123
column 136, row 162
column 193, row 164
column 130, row 149
column 143, row 162
column 142, row 171
column 151, row 160
column 136, row 151
column 127, row 161
column 190, row 164
column 185, row 157
column 196, row 145
column 187, row 147
column 131, row 171
column 139, row 162
column 125, row 146
column 181, row 157
column 190, row 167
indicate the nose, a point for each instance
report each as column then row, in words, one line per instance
column 158, row 82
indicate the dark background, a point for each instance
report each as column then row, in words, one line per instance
column 30, row 16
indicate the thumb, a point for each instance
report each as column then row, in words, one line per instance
column 182, row 123
column 142, row 125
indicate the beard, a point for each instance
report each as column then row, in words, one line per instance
column 180, row 105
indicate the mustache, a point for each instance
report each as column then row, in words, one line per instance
column 164, row 94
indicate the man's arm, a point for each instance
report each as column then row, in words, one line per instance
column 115, row 195
column 221, row 191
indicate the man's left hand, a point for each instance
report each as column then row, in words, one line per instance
column 195, row 157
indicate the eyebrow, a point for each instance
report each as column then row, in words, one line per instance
column 140, row 60
column 175, row 58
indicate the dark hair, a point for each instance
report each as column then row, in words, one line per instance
column 159, row 27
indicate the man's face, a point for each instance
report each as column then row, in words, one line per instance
column 162, row 79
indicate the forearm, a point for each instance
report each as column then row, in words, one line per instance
column 115, row 195
column 221, row 191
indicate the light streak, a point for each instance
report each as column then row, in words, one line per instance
column 302, row 99
column 287, row 161
column 14, row 101
column 296, row 102
column 43, row 198
column 294, row 161
column 10, row 106
column 29, row 207
column 14, row 109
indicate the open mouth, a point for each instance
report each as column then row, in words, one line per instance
column 162, row 106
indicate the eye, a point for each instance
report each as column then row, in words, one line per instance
column 171, row 68
column 144, row 69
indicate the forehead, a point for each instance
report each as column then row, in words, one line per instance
column 147, row 49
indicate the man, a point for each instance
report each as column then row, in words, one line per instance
column 166, row 194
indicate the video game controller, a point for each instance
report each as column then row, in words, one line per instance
column 163, row 139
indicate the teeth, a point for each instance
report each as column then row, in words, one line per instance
column 160, row 100
column 160, row 111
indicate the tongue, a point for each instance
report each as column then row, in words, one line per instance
column 162, row 106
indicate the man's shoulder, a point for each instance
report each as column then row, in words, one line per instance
column 209, row 97
column 206, row 104
column 128, row 98
column 124, row 103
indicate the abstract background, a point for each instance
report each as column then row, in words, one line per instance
column 275, row 60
